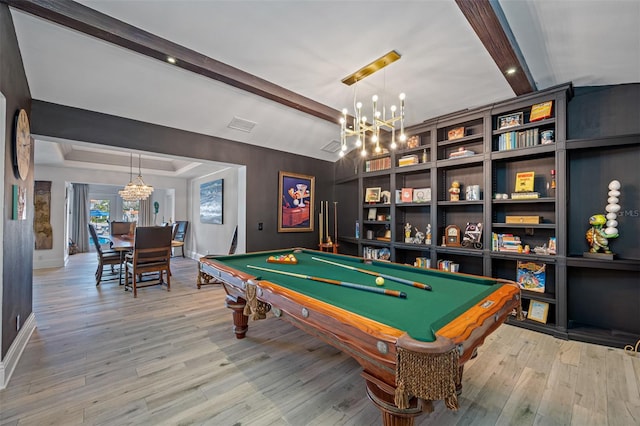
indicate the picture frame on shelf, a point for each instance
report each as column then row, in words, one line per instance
column 413, row 142
column 421, row 195
column 296, row 194
column 407, row 195
column 372, row 195
column 540, row 111
column 455, row 133
column 510, row 120
column 372, row 213
column 538, row 311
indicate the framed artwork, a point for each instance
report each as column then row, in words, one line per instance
column 372, row 195
column 296, row 194
column 421, row 195
column 510, row 120
column 19, row 203
column 211, row 199
column 538, row 311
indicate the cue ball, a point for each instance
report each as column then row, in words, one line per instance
column 379, row 280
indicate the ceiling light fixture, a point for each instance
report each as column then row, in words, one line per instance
column 171, row 59
column 379, row 120
column 511, row 70
column 136, row 189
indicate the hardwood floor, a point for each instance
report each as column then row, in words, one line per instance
column 98, row 356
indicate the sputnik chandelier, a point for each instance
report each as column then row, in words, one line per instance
column 136, row 189
column 361, row 127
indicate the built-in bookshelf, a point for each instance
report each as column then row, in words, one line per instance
column 464, row 209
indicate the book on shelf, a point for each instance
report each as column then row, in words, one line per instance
column 521, row 139
column 531, row 276
column 377, row 164
column 461, row 152
column 506, row 243
column 524, row 181
column 525, row 195
column 407, row 195
column 408, row 160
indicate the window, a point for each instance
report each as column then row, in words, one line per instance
column 130, row 210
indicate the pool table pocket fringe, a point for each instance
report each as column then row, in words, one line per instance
column 430, row 377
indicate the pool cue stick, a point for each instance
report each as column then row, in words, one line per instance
column 335, row 222
column 378, row 274
column 394, row 293
column 320, row 225
column 326, row 218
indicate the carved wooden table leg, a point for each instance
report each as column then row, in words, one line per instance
column 240, row 320
column 382, row 395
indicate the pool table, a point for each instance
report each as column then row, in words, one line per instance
column 412, row 349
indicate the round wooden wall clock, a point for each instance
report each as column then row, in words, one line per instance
column 21, row 145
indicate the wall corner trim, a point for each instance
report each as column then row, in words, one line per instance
column 9, row 363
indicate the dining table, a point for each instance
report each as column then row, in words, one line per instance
column 123, row 244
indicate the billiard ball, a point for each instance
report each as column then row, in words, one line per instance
column 379, row 281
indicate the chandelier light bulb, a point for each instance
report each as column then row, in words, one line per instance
column 403, row 137
column 363, row 153
column 374, row 138
column 359, row 105
column 342, row 153
column 402, row 96
column 374, row 98
column 359, row 142
column 394, row 145
column 378, row 150
column 393, row 108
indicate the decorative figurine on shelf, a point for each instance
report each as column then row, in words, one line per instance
column 605, row 228
column 419, row 238
column 472, row 235
column 407, row 233
column 454, row 191
column 427, row 239
column 596, row 235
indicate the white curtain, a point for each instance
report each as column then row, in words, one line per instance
column 145, row 214
column 80, row 216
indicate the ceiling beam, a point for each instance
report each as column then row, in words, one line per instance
column 81, row 18
column 487, row 21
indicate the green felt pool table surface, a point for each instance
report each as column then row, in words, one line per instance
column 420, row 314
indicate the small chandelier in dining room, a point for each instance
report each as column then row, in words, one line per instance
column 361, row 127
column 136, row 189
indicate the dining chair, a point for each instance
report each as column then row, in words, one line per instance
column 151, row 253
column 179, row 234
column 105, row 257
column 121, row 228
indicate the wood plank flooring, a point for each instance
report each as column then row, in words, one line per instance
column 100, row 357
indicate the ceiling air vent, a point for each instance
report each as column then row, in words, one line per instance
column 242, row 124
column 333, row 146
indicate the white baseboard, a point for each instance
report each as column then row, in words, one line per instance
column 10, row 361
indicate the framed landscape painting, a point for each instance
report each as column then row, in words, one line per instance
column 211, row 199
column 296, row 194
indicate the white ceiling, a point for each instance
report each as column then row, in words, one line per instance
column 308, row 47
